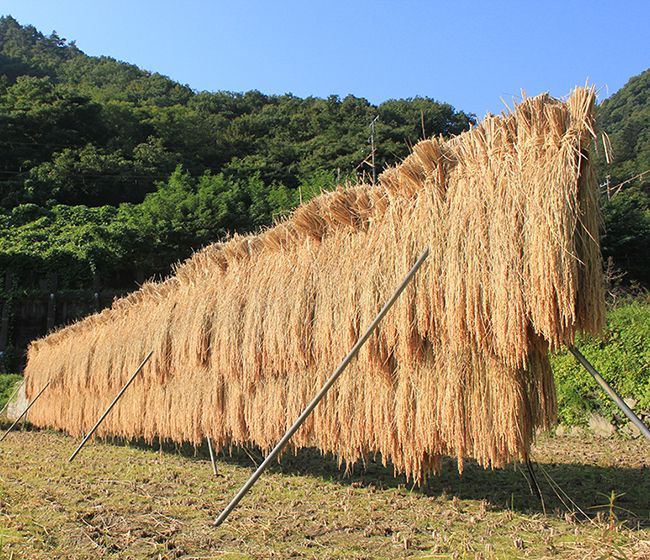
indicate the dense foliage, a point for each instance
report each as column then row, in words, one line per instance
column 114, row 242
column 106, row 169
column 625, row 116
column 622, row 355
column 105, row 166
column 8, row 384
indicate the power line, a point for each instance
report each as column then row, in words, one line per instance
column 613, row 191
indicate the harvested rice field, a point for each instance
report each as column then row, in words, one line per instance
column 130, row 501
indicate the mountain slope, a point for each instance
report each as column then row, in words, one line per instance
column 140, row 125
column 625, row 116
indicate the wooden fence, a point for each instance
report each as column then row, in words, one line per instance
column 27, row 314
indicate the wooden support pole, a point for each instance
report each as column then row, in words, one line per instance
column 25, row 411
column 6, row 313
column 51, row 312
column 610, row 391
column 310, row 407
column 110, row 407
column 212, row 459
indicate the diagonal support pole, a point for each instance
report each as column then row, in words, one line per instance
column 610, row 391
column 310, row 407
column 110, row 407
column 25, row 411
column 212, row 459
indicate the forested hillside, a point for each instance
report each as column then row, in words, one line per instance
column 625, row 116
column 107, row 169
column 110, row 174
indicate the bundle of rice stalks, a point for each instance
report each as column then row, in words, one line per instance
column 246, row 331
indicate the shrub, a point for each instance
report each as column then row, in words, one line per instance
column 621, row 355
column 8, row 382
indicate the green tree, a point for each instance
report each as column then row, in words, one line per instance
column 625, row 117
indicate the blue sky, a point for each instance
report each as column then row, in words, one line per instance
column 470, row 54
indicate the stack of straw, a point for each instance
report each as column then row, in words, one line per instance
column 246, row 331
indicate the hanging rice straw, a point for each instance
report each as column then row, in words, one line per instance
column 246, row 330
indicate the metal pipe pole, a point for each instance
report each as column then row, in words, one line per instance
column 610, row 391
column 214, row 463
column 25, row 411
column 110, row 407
column 310, row 407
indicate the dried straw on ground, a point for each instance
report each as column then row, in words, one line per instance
column 246, row 331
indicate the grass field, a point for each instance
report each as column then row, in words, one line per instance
column 128, row 501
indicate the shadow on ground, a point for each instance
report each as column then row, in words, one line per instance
column 568, row 489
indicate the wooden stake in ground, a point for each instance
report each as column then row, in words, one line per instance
column 25, row 411
column 610, row 391
column 212, row 459
column 110, row 407
column 310, row 407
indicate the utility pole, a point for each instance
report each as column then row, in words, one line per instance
column 372, row 149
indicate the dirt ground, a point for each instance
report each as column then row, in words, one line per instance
column 134, row 501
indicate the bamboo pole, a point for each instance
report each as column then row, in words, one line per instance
column 610, row 391
column 110, row 407
column 212, row 459
column 310, row 407
column 25, row 411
